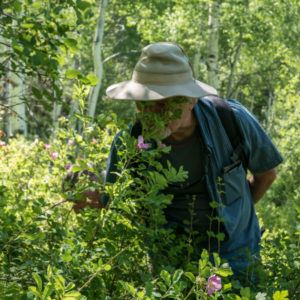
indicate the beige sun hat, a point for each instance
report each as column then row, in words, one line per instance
column 162, row 71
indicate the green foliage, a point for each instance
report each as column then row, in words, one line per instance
column 49, row 251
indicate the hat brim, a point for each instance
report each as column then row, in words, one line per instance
column 131, row 90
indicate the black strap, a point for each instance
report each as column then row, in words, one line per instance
column 229, row 123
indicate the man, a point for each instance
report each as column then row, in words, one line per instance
column 163, row 76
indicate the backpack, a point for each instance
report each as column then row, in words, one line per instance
column 229, row 123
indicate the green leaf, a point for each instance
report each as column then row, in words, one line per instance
column 49, row 272
column 190, row 276
column 17, row 6
column 71, row 44
column 92, row 78
column 140, row 294
column 71, row 74
column 227, row 287
column 165, row 275
column 217, row 260
column 66, row 257
column 107, row 268
column 281, row 295
column 60, row 59
column 46, row 105
column 38, row 281
column 36, row 92
column 83, row 164
column 245, row 292
column 177, row 275
column 71, row 295
column 59, row 282
column 47, row 292
column 27, row 25
column 82, row 5
column 34, row 291
column 224, row 272
column 220, row 236
column 128, row 287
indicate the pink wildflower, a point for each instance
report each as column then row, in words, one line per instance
column 19, row 185
column 94, row 140
column 141, row 144
column 2, row 144
column 110, row 118
column 214, row 283
column 68, row 166
column 47, row 146
column 70, row 143
column 53, row 155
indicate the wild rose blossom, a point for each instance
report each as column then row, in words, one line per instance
column 70, row 143
column 94, row 140
column 141, row 144
column 214, row 283
column 54, row 155
column 47, row 146
column 68, row 166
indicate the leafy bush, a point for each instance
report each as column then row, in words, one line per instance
column 49, row 252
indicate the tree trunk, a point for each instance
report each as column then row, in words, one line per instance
column 7, row 98
column 18, row 113
column 55, row 115
column 196, row 63
column 232, row 68
column 212, row 45
column 98, row 65
column 268, row 110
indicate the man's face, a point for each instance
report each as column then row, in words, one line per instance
column 165, row 116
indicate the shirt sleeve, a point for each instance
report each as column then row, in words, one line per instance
column 259, row 149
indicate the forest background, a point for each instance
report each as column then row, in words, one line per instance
column 57, row 59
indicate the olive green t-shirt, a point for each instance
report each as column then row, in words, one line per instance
column 191, row 199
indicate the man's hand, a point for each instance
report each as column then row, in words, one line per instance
column 260, row 182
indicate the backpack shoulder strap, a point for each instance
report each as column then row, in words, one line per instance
column 227, row 118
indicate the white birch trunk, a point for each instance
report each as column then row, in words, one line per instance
column 18, row 115
column 196, row 63
column 213, row 43
column 55, row 115
column 7, row 99
column 268, row 110
column 98, row 65
column 4, row 46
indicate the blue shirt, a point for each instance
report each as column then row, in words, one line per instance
column 237, row 208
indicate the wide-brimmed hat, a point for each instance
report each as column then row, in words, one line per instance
column 162, row 71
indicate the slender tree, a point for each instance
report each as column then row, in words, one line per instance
column 18, row 115
column 98, row 64
column 213, row 44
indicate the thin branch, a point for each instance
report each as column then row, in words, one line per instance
column 103, row 268
column 233, row 65
column 7, row 45
column 117, row 54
